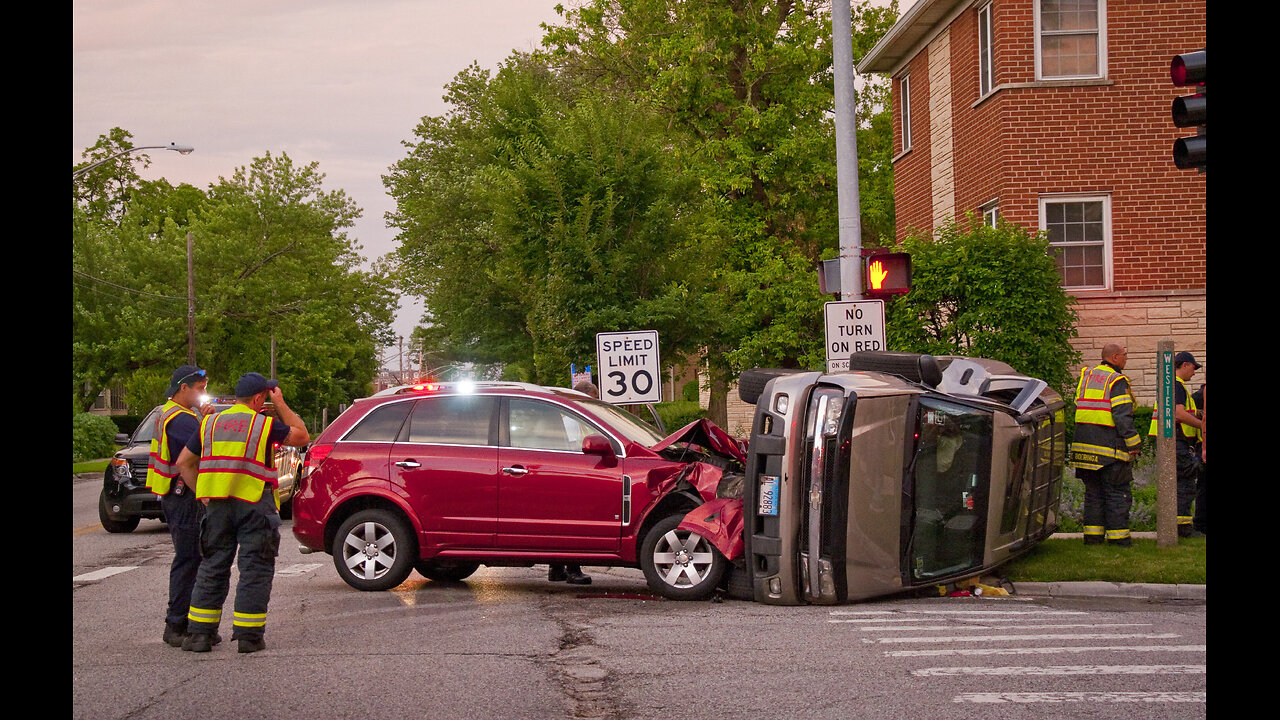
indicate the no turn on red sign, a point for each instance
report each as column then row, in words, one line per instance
column 629, row 368
column 852, row 326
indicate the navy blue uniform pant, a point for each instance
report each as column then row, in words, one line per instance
column 252, row 530
column 182, row 513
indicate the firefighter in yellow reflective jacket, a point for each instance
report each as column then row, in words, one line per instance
column 1186, row 433
column 174, row 426
column 229, row 463
column 1104, row 446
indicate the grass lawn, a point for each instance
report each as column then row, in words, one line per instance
column 1067, row 560
column 88, row 467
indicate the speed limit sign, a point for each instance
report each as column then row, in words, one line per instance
column 629, row 368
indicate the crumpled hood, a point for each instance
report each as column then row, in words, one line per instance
column 706, row 434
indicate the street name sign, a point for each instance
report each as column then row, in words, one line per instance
column 852, row 326
column 629, row 369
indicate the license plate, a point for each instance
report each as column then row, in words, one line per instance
column 768, row 495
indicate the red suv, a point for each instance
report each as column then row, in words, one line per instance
column 444, row 477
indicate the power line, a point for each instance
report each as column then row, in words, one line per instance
column 126, row 289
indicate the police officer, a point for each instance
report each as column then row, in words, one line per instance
column 1187, row 426
column 1104, row 446
column 174, row 426
column 229, row 463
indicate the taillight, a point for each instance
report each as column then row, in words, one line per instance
column 314, row 458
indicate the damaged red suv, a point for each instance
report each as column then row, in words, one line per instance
column 444, row 477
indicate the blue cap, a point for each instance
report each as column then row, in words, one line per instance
column 252, row 383
column 188, row 374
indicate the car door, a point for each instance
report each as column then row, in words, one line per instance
column 551, row 495
column 446, row 463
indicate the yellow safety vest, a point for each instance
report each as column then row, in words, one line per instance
column 1188, row 431
column 235, row 455
column 1095, row 443
column 162, row 469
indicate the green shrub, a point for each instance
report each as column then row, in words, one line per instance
column 92, row 437
column 676, row 415
column 690, row 391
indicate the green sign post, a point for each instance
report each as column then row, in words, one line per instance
column 1166, row 474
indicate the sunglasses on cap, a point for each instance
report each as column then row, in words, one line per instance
column 195, row 376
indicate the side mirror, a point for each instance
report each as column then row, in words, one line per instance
column 122, row 439
column 599, row 445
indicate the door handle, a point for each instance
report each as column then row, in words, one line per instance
column 517, row 471
column 410, row 464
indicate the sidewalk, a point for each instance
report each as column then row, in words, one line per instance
column 1150, row 591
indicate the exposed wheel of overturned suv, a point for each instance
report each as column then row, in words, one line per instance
column 680, row 564
column 374, row 549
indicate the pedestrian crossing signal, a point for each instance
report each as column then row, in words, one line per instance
column 888, row 274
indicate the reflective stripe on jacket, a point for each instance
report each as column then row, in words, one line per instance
column 235, row 455
column 1187, row 432
column 162, row 469
column 1104, row 430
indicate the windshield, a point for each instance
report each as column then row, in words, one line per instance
column 146, row 430
column 626, row 424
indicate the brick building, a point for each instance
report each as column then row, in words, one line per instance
column 1055, row 115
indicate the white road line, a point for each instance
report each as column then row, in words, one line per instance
column 1046, row 650
column 103, row 573
column 1079, row 697
column 1045, row 636
column 1064, row 670
column 1002, row 613
column 879, row 628
column 106, row 572
column 297, row 569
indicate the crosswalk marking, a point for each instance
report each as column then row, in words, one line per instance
column 1076, row 697
column 1042, row 636
column 1047, row 650
column 1064, row 670
column 989, row 627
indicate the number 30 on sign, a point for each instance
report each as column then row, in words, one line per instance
column 629, row 368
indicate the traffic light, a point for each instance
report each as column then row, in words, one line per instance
column 888, row 274
column 1186, row 70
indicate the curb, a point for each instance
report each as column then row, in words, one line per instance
column 1145, row 591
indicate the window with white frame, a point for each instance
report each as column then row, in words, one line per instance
column 1070, row 39
column 1079, row 229
column 986, row 62
column 904, row 91
column 990, row 213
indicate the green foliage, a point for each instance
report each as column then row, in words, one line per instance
column 92, row 437
column 679, row 413
column 987, row 292
column 271, row 260
column 689, row 393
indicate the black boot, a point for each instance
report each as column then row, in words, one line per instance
column 198, row 642
column 575, row 576
column 174, row 634
column 556, row 573
column 251, row 644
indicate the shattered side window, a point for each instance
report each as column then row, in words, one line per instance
column 951, row 475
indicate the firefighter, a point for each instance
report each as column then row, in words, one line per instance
column 1104, row 447
column 228, row 462
column 1187, row 429
column 174, row 426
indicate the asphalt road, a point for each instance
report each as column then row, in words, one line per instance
column 508, row 644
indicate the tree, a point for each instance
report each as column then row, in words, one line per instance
column 750, row 82
column 536, row 214
column 986, row 292
column 273, row 262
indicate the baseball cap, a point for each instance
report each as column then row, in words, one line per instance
column 189, row 374
column 1185, row 357
column 252, row 383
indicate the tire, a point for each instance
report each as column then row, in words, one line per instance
column 374, row 550
column 110, row 524
column 286, row 509
column 914, row 367
column 737, row 583
column 445, row 571
column 680, row 565
column 751, row 382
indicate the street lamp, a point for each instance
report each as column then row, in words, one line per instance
column 180, row 149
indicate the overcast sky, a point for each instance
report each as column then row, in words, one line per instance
column 338, row 82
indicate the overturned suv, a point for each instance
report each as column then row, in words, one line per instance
column 907, row 471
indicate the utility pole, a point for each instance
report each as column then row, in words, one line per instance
column 848, row 208
column 191, row 301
